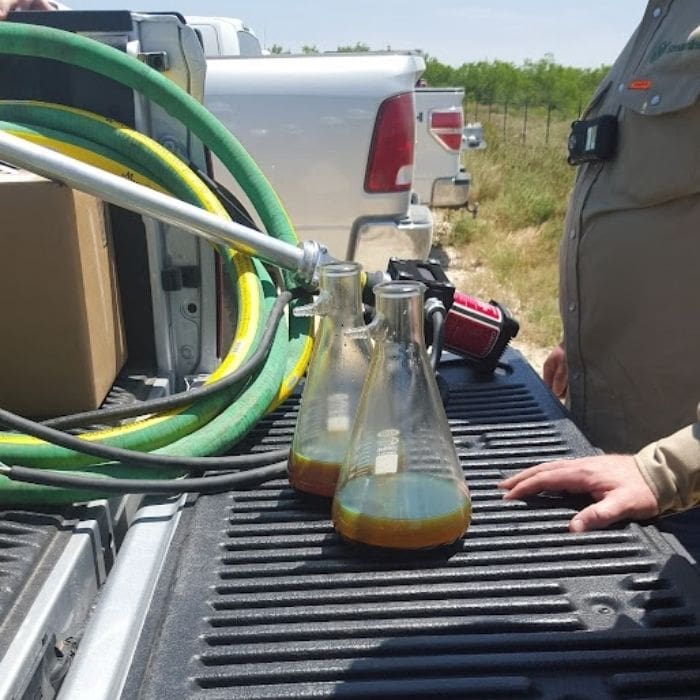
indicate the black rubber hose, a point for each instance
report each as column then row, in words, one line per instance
column 107, row 415
column 437, row 317
column 233, row 206
column 205, row 484
column 132, row 457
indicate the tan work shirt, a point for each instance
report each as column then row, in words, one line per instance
column 630, row 255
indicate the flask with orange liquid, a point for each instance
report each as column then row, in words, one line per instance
column 334, row 380
column 401, row 485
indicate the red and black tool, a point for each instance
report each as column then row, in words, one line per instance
column 477, row 330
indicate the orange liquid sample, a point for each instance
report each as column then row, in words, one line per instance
column 312, row 476
column 402, row 511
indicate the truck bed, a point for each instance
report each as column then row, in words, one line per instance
column 257, row 597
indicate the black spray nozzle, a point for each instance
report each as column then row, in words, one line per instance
column 430, row 273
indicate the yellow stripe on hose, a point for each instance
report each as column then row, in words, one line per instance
column 293, row 377
column 82, row 154
column 249, row 308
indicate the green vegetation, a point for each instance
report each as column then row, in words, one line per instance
column 521, row 182
column 541, row 82
column 358, row 47
column 509, row 251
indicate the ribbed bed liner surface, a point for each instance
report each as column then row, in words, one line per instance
column 265, row 601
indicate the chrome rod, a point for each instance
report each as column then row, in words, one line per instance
column 147, row 202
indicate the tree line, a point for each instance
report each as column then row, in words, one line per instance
column 538, row 83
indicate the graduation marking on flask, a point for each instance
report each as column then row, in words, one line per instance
column 338, row 413
column 387, row 460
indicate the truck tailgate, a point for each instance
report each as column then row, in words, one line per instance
column 258, row 597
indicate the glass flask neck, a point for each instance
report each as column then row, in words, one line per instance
column 400, row 306
column 341, row 286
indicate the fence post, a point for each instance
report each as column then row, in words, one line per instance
column 476, row 107
column 525, row 122
column 505, row 119
column 549, row 121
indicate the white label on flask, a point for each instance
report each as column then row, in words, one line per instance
column 338, row 416
column 387, row 463
column 387, row 459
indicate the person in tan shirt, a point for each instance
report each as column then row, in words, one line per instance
column 630, row 288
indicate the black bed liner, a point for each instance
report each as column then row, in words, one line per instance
column 260, row 598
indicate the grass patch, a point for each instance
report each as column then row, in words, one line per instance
column 522, row 190
column 465, row 229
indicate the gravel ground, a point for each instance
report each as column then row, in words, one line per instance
column 465, row 278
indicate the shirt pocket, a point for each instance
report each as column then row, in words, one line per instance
column 665, row 84
column 658, row 146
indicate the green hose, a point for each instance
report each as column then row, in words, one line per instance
column 217, row 437
column 103, row 136
column 220, row 428
column 214, row 438
column 146, row 438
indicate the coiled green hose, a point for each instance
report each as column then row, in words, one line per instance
column 217, row 436
column 220, row 428
column 144, row 435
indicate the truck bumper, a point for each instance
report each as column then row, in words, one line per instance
column 451, row 191
column 375, row 241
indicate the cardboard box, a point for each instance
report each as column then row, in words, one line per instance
column 61, row 333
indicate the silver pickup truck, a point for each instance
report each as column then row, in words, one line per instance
column 334, row 133
column 440, row 179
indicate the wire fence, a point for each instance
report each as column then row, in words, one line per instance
column 522, row 121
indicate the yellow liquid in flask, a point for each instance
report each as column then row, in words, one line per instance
column 312, row 475
column 402, row 510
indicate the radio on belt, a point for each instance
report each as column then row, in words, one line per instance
column 477, row 330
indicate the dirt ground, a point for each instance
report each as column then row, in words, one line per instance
column 466, row 277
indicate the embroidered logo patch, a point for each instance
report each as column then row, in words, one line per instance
column 663, row 48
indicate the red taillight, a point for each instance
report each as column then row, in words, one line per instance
column 390, row 166
column 447, row 127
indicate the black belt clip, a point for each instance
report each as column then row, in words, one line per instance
column 593, row 140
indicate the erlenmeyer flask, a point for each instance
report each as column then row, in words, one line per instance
column 401, row 485
column 337, row 370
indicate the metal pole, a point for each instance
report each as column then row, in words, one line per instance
column 148, row 202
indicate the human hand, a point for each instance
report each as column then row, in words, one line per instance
column 555, row 372
column 7, row 6
column 613, row 481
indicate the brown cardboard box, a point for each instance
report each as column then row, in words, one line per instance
column 61, row 333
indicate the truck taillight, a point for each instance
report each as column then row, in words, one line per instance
column 390, row 165
column 447, row 127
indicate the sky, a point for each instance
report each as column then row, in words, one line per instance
column 583, row 34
